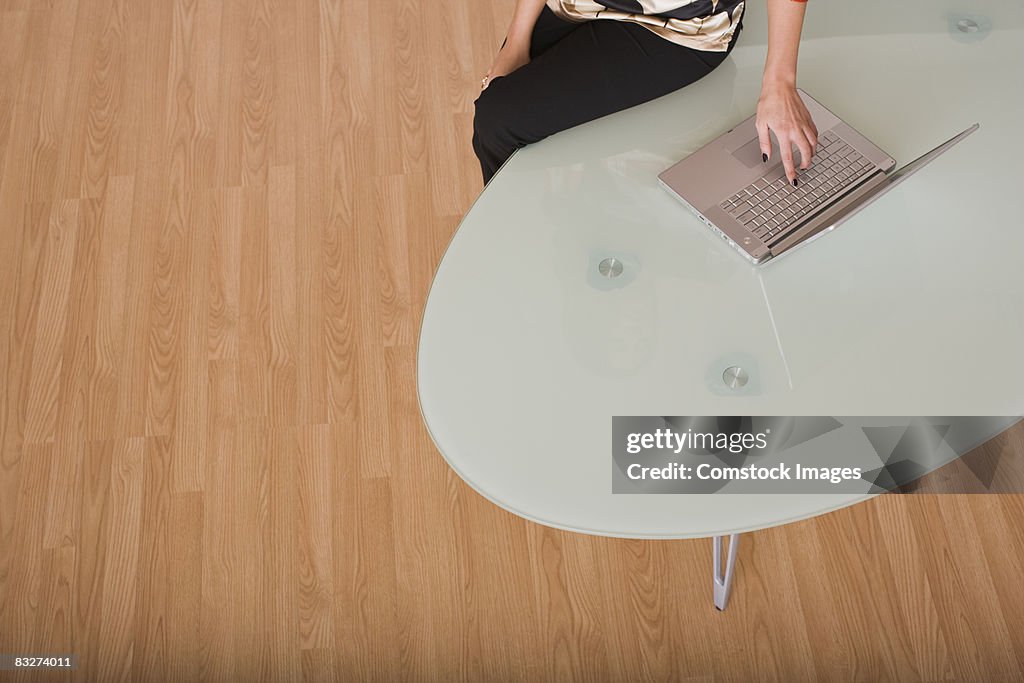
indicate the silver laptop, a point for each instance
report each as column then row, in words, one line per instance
column 753, row 206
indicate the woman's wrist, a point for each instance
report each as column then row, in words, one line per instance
column 785, row 80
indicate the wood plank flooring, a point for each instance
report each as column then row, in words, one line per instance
column 218, row 224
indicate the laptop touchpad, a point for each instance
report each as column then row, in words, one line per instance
column 750, row 153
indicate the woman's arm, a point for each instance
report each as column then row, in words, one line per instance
column 516, row 51
column 780, row 109
column 523, row 21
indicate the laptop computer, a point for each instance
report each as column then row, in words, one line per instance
column 753, row 206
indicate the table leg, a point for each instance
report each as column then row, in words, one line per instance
column 723, row 580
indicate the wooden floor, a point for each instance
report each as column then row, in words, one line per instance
column 218, row 224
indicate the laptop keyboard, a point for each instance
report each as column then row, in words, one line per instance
column 769, row 206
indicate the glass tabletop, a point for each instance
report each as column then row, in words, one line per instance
column 915, row 306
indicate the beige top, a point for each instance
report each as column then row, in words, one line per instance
column 700, row 24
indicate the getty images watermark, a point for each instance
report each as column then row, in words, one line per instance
column 820, row 454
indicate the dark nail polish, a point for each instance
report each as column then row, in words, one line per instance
column 764, row 157
column 794, row 182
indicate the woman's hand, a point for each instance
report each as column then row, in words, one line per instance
column 510, row 57
column 781, row 111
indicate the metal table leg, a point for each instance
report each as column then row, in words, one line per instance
column 723, row 581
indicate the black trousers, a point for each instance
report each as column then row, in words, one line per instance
column 578, row 72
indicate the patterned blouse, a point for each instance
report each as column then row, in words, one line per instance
column 700, row 24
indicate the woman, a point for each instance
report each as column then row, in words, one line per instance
column 566, row 62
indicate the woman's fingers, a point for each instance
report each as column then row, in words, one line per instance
column 809, row 134
column 803, row 143
column 792, row 125
column 765, row 139
column 786, row 152
column 811, row 131
column 812, row 140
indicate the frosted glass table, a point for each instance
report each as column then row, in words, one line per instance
column 913, row 307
